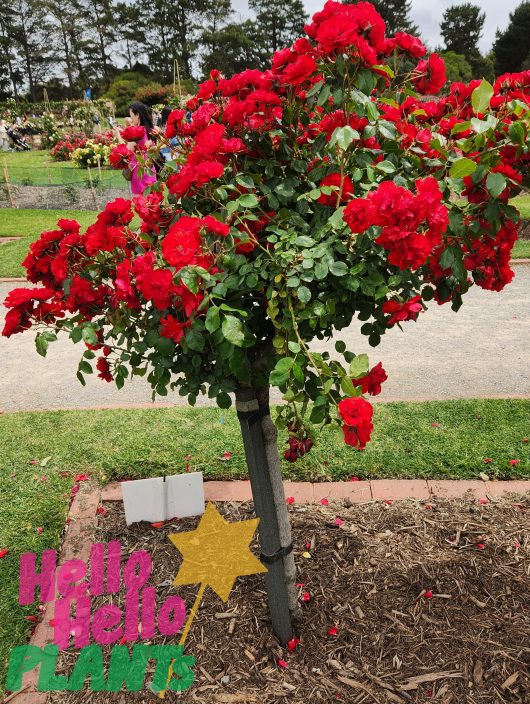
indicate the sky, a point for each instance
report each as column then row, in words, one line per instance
column 427, row 14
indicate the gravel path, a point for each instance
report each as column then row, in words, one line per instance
column 483, row 350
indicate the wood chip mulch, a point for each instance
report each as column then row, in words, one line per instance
column 430, row 602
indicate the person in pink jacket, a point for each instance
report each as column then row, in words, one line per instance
column 139, row 116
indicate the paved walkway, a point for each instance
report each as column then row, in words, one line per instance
column 480, row 351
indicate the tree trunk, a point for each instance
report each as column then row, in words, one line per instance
column 270, row 438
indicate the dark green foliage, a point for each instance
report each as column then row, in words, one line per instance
column 512, row 46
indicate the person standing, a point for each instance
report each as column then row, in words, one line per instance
column 4, row 138
column 141, row 177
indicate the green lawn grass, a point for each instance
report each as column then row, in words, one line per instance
column 522, row 203
column 28, row 224
column 521, row 250
column 127, row 444
column 37, row 168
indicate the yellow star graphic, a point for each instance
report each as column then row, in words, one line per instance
column 216, row 552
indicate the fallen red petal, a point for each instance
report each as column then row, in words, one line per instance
column 40, row 530
column 480, row 546
column 290, row 500
column 291, row 645
column 306, row 596
column 389, row 502
column 282, row 663
column 227, row 455
column 428, row 594
column 436, row 425
column 100, row 511
column 324, row 502
column 487, row 460
column 512, row 463
column 333, row 631
column 355, row 479
column 74, row 490
column 33, row 619
column 81, row 477
column 158, row 524
column 3, row 552
column 484, row 502
column 339, row 522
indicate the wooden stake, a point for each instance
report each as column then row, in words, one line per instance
column 178, row 79
column 99, row 169
column 94, row 197
column 8, row 185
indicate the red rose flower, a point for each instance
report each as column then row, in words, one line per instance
column 400, row 312
column 299, row 71
column 359, row 214
column 103, row 368
column 173, row 328
column 371, row 383
column 120, row 157
column 357, row 416
column 133, row 133
column 429, row 76
column 344, row 189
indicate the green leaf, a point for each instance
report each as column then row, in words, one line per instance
column 304, row 294
column 245, row 181
column 41, row 343
column 248, row 200
column 89, row 335
column 314, row 90
column 324, row 95
column 81, row 378
column 347, row 386
column 344, row 136
column 294, row 347
column 304, row 241
column 359, row 366
column 481, row 97
column 462, row 167
column 338, row 268
column 232, row 329
column 495, row 183
column 336, row 221
column 212, row 321
column 223, row 400
column 85, row 367
column 386, row 167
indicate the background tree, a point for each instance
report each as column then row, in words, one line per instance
column 231, row 49
column 512, row 47
column 457, row 67
column 100, row 18
column 461, row 28
column 278, row 23
column 8, row 56
column 30, row 31
column 130, row 33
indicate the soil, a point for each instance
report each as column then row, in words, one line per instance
column 371, row 578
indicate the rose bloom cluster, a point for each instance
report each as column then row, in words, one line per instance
column 335, row 184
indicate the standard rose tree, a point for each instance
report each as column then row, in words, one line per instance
column 330, row 187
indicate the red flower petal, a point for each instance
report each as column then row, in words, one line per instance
column 333, row 631
column 306, row 596
column 52, row 622
column 158, row 524
column 291, row 645
column 436, row 425
column 40, row 530
column 428, row 594
column 290, row 500
column 33, row 619
column 339, row 522
column 324, row 502
column 282, row 663
column 3, row 552
column 389, row 502
column 74, row 490
column 81, row 477
column 480, row 546
column 484, row 502
column 354, row 479
column 227, row 455
column 487, row 460
column 512, row 463
column 525, row 439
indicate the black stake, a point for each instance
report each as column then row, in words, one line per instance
column 249, row 414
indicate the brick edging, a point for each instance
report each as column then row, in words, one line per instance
column 358, row 491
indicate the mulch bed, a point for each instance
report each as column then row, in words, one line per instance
column 370, row 578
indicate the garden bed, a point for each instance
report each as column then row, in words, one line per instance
column 369, row 578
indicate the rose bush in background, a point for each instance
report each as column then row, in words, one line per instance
column 324, row 189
